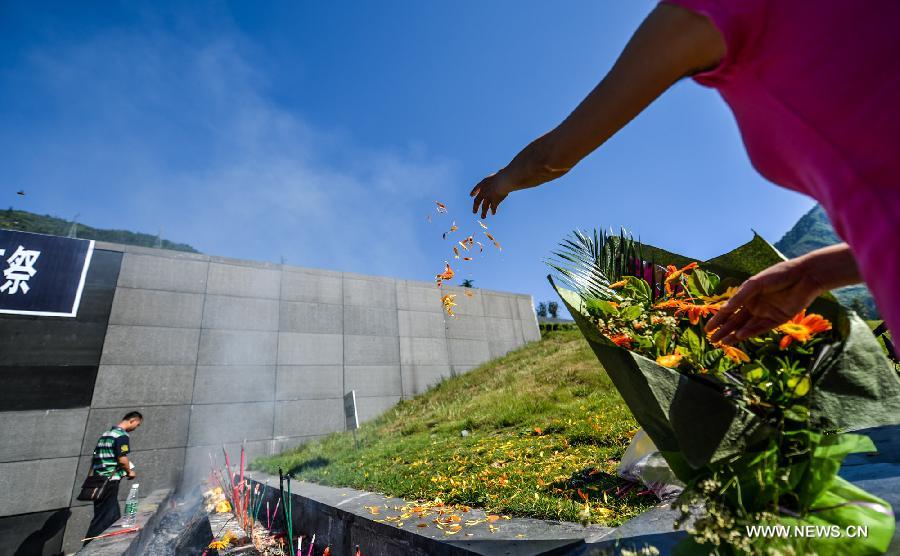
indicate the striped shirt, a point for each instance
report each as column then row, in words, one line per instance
column 112, row 445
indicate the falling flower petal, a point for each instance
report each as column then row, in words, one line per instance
column 480, row 223
column 447, row 274
column 496, row 243
column 453, row 228
column 441, row 207
column 455, row 253
column 463, row 245
column 449, row 303
column 467, row 258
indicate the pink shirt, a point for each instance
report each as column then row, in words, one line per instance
column 815, row 88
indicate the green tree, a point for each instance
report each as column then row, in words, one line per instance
column 542, row 310
column 467, row 283
column 553, row 309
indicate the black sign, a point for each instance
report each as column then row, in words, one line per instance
column 42, row 275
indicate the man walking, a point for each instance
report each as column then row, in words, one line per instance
column 110, row 459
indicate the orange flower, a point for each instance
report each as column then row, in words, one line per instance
column 441, row 207
column 619, row 284
column 802, row 327
column 670, row 361
column 673, row 274
column 621, row 340
column 668, row 304
column 733, row 353
column 695, row 312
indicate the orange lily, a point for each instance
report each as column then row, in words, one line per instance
column 802, row 327
column 733, row 353
column 670, row 361
column 619, row 284
column 668, row 304
column 673, row 274
column 695, row 312
column 621, row 340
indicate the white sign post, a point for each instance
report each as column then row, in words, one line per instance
column 350, row 415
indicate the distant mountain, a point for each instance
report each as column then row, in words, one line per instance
column 813, row 231
column 45, row 224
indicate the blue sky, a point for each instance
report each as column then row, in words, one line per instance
column 322, row 132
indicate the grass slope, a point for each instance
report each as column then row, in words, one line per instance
column 25, row 221
column 536, row 418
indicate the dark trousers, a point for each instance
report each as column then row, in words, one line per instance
column 106, row 510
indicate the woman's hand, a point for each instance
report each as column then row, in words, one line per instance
column 776, row 294
column 489, row 193
column 528, row 169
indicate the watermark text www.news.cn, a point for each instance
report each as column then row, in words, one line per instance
column 807, row 531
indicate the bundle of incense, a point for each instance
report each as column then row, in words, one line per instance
column 113, row 534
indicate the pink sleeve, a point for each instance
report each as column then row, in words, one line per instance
column 741, row 22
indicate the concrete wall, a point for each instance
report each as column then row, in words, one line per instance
column 217, row 351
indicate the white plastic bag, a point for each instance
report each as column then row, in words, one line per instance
column 642, row 463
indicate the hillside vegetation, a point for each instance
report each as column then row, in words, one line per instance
column 25, row 221
column 537, row 420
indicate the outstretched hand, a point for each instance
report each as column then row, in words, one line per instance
column 765, row 301
column 489, row 193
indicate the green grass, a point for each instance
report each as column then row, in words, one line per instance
column 536, row 418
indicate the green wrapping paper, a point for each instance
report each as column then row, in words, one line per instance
column 694, row 424
column 690, row 420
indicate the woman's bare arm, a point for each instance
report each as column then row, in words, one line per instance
column 671, row 43
column 776, row 294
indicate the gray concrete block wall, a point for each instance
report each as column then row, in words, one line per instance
column 219, row 351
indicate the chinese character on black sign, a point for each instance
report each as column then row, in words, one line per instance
column 21, row 268
column 42, row 275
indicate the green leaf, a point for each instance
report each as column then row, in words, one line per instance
column 691, row 341
column 600, row 308
column 797, row 413
column 632, row 312
column 698, row 283
column 661, row 339
column 637, row 289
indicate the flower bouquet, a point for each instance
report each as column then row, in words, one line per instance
column 745, row 427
